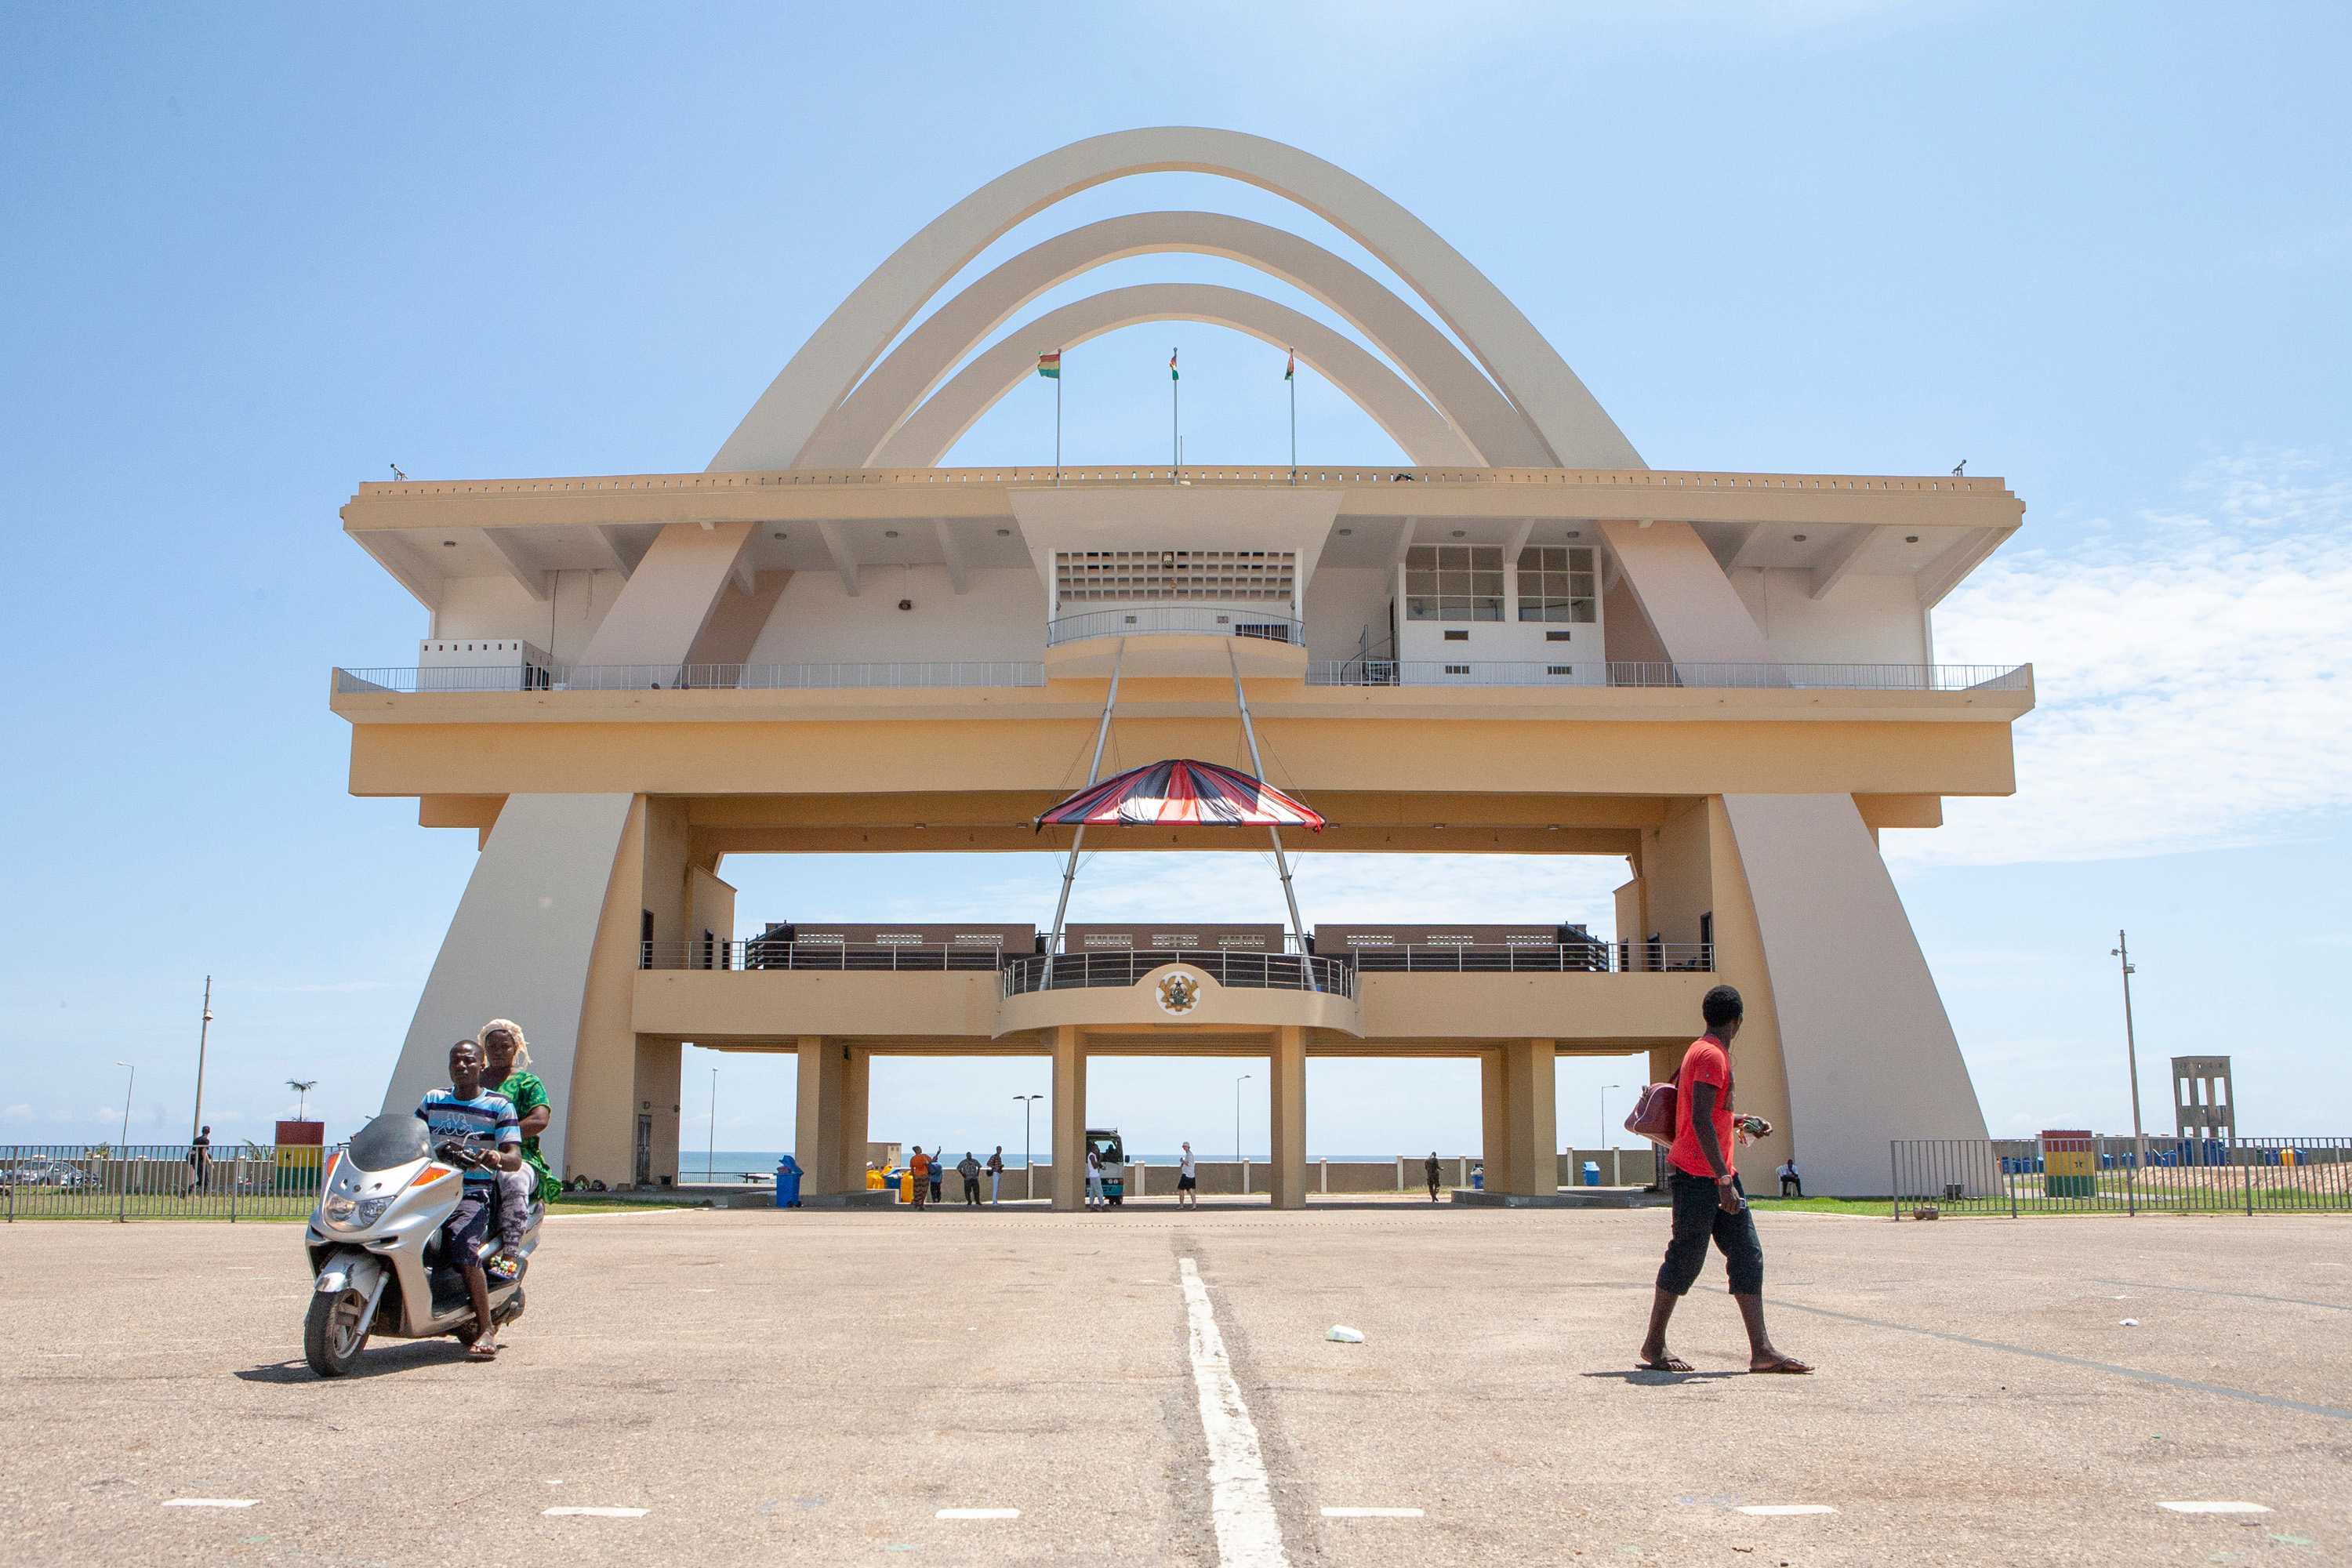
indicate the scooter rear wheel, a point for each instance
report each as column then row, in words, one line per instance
column 332, row 1333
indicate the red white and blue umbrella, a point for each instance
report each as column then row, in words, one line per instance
column 1180, row 794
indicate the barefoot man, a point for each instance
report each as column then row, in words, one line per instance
column 1708, row 1199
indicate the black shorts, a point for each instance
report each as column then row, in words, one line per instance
column 468, row 1226
column 1187, row 1184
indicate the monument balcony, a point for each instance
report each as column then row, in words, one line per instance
column 1177, row 639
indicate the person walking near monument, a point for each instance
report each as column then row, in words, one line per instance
column 1095, row 1199
column 1708, row 1202
column 969, row 1169
column 200, row 1163
column 919, row 1176
column 1431, row 1172
column 939, row 1171
column 996, row 1173
column 1188, row 1179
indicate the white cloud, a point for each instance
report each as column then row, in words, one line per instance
column 19, row 1114
column 2191, row 674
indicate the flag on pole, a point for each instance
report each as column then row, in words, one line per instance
column 1291, row 368
column 1171, row 364
column 1050, row 365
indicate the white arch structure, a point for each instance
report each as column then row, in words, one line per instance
column 1427, row 439
column 854, row 433
column 777, row 431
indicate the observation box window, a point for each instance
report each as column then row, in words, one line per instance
column 1454, row 583
column 1557, row 583
column 1245, row 576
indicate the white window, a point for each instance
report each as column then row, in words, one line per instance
column 1558, row 582
column 1454, row 583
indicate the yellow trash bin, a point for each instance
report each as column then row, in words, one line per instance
column 906, row 1186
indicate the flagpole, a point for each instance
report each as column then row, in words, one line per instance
column 1057, row 428
column 1175, row 442
column 1293, row 379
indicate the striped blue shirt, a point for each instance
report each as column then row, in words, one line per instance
column 485, row 1121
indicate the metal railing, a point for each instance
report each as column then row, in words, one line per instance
column 1175, row 620
column 1226, row 966
column 763, row 953
column 160, row 1181
column 1594, row 957
column 2112, row 1175
column 932, row 674
column 1660, row 675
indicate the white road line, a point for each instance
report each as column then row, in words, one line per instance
column 2214, row 1507
column 1241, row 1503
column 1782, row 1510
column 596, row 1512
column 978, row 1513
column 211, row 1502
column 1371, row 1513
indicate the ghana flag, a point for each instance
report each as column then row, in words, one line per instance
column 1290, row 367
column 1050, row 365
column 1171, row 364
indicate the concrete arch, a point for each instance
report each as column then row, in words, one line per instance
column 776, row 431
column 1499, row 435
column 1412, row 423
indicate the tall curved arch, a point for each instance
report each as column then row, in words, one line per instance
column 1498, row 433
column 1411, row 422
column 1531, row 373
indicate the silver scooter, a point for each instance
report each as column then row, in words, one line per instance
column 377, row 1251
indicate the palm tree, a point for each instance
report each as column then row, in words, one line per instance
column 303, row 1089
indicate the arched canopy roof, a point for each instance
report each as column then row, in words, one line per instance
column 1498, row 433
column 776, row 432
column 1379, row 390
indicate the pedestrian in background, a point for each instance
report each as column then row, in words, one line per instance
column 996, row 1173
column 1093, row 1179
column 200, row 1162
column 969, row 1169
column 1788, row 1177
column 1432, row 1175
column 939, row 1171
column 919, row 1176
column 1188, row 1180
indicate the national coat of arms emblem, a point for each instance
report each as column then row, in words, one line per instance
column 1180, row 992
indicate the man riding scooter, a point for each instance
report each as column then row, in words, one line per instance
column 474, row 1128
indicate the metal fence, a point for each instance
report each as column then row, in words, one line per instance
column 921, row 674
column 1593, row 957
column 1227, row 966
column 1175, row 620
column 1651, row 674
column 160, row 1181
column 2121, row 1175
column 775, row 953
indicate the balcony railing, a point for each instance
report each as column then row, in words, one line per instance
column 1594, row 957
column 1639, row 674
column 694, row 676
column 763, row 953
column 1175, row 620
column 1227, row 966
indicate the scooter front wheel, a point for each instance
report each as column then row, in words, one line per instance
column 333, row 1333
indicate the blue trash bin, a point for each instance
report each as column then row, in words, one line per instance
column 1593, row 1173
column 787, row 1184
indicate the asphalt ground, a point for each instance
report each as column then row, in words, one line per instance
column 816, row 1388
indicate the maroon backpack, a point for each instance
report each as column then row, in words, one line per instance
column 1652, row 1116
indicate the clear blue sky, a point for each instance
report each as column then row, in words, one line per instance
column 252, row 255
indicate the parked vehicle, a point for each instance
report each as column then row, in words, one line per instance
column 1104, row 1141
column 377, row 1252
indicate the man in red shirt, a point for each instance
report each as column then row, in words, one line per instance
column 1708, row 1199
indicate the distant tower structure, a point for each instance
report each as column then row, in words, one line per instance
column 2203, row 1104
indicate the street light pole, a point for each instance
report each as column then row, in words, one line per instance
column 1604, row 1113
column 204, row 1032
column 1028, row 1165
column 127, row 1090
column 711, row 1139
column 1237, row 1117
column 2121, row 953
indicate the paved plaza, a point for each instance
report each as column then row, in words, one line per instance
column 954, row 1388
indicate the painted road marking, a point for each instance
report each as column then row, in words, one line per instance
column 596, row 1512
column 2214, row 1507
column 978, row 1513
column 1241, row 1503
column 211, row 1502
column 1783, row 1510
column 1371, row 1513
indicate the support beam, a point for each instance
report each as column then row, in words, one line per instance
column 844, row 560
column 1683, row 590
column 519, row 566
column 1493, row 1117
column 623, row 557
column 670, row 598
column 1286, row 1100
column 1531, row 1089
column 740, row 575
column 1841, row 559
column 392, row 553
column 1751, row 546
column 818, row 1125
column 1069, row 1143
column 959, row 570
column 856, row 1102
column 1404, row 544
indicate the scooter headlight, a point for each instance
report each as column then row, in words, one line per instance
column 355, row 1214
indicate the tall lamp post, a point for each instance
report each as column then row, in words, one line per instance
column 204, row 1033
column 2121, row 953
column 1604, row 1114
column 711, row 1138
column 1028, row 1103
column 127, row 1089
column 1237, row 1117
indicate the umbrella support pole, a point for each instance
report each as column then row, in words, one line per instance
column 1257, row 766
column 1078, row 840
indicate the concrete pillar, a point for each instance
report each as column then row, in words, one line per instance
column 856, row 1086
column 818, row 1124
column 1531, row 1087
column 1069, row 1118
column 1287, row 1098
column 1493, row 1117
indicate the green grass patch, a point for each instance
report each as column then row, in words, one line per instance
column 1863, row 1209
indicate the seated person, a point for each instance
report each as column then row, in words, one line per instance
column 506, row 1064
column 478, row 1129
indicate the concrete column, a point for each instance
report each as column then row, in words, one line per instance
column 817, row 1129
column 1288, row 1120
column 1531, row 1087
column 1493, row 1117
column 856, row 1085
column 1069, row 1142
